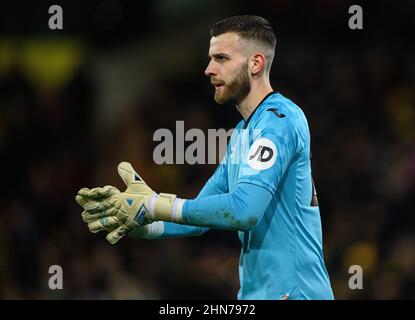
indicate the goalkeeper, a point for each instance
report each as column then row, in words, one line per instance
column 263, row 188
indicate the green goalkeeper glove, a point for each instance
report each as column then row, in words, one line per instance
column 120, row 212
column 149, row 231
column 94, row 195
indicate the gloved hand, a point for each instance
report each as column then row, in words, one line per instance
column 97, row 222
column 120, row 212
column 93, row 195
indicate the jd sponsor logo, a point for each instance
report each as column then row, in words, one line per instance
column 262, row 154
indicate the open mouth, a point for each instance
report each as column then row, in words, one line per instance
column 218, row 85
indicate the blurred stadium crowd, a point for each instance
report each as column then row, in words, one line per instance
column 74, row 104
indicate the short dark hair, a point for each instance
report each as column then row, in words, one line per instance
column 247, row 27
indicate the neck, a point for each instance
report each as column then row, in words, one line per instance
column 255, row 96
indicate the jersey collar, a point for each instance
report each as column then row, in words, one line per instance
column 257, row 107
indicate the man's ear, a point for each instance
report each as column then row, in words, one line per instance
column 257, row 64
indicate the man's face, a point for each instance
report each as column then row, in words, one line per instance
column 228, row 68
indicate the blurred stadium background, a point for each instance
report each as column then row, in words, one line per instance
column 73, row 103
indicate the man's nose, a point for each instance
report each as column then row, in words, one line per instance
column 209, row 70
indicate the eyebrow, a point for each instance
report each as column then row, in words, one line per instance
column 218, row 55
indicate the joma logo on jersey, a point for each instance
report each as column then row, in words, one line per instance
column 261, row 157
column 262, row 154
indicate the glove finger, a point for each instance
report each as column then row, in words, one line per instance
column 107, row 191
column 97, row 206
column 93, row 193
column 89, row 217
column 103, row 224
column 80, row 200
column 127, row 173
column 114, row 236
column 83, row 192
column 98, row 192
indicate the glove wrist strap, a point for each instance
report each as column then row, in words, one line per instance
column 151, row 205
column 163, row 209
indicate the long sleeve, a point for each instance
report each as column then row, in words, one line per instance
column 216, row 184
column 239, row 210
